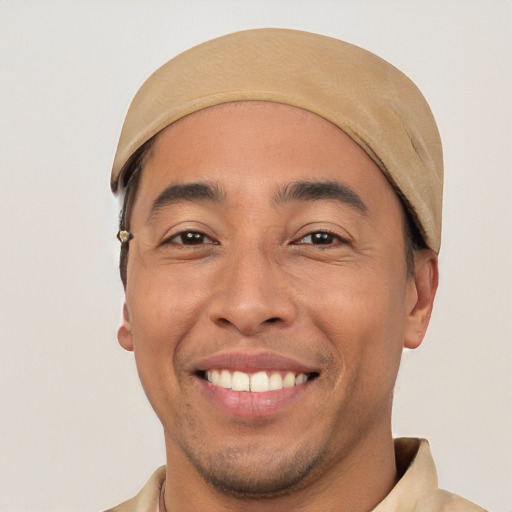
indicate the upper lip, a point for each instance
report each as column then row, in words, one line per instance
column 253, row 362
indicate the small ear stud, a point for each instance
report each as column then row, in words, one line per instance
column 124, row 236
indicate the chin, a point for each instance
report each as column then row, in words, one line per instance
column 250, row 472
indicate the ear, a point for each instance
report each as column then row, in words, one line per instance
column 124, row 333
column 421, row 292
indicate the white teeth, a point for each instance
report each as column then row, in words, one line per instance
column 240, row 382
column 301, row 378
column 259, row 382
column 289, row 380
column 275, row 382
column 225, row 379
column 221, row 379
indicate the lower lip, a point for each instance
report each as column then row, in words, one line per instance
column 245, row 404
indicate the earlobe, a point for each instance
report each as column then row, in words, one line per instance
column 421, row 294
column 124, row 333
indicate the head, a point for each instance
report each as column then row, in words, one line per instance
column 281, row 260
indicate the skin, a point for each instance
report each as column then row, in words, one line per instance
column 258, row 283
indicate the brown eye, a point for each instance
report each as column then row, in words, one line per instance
column 190, row 238
column 320, row 238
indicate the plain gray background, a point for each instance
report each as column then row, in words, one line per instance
column 76, row 432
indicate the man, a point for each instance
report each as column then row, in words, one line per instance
column 279, row 240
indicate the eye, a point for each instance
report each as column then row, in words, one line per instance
column 321, row 238
column 190, row 238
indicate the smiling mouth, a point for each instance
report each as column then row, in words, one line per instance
column 259, row 382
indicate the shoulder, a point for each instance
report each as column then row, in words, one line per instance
column 443, row 501
column 417, row 490
column 148, row 498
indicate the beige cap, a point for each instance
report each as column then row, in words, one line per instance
column 365, row 96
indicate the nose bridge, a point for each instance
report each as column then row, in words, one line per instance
column 251, row 291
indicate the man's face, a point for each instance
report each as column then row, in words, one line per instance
column 268, row 252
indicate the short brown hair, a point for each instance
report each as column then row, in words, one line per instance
column 133, row 174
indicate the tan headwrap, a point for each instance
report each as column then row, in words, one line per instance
column 365, row 96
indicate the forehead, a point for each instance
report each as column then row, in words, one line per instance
column 251, row 146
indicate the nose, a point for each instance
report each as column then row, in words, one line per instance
column 252, row 294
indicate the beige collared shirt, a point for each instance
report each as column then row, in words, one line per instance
column 416, row 491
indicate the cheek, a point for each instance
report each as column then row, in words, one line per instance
column 362, row 315
column 163, row 301
column 163, row 310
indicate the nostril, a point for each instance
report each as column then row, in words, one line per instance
column 272, row 320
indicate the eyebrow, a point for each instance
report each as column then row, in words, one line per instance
column 193, row 192
column 320, row 190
